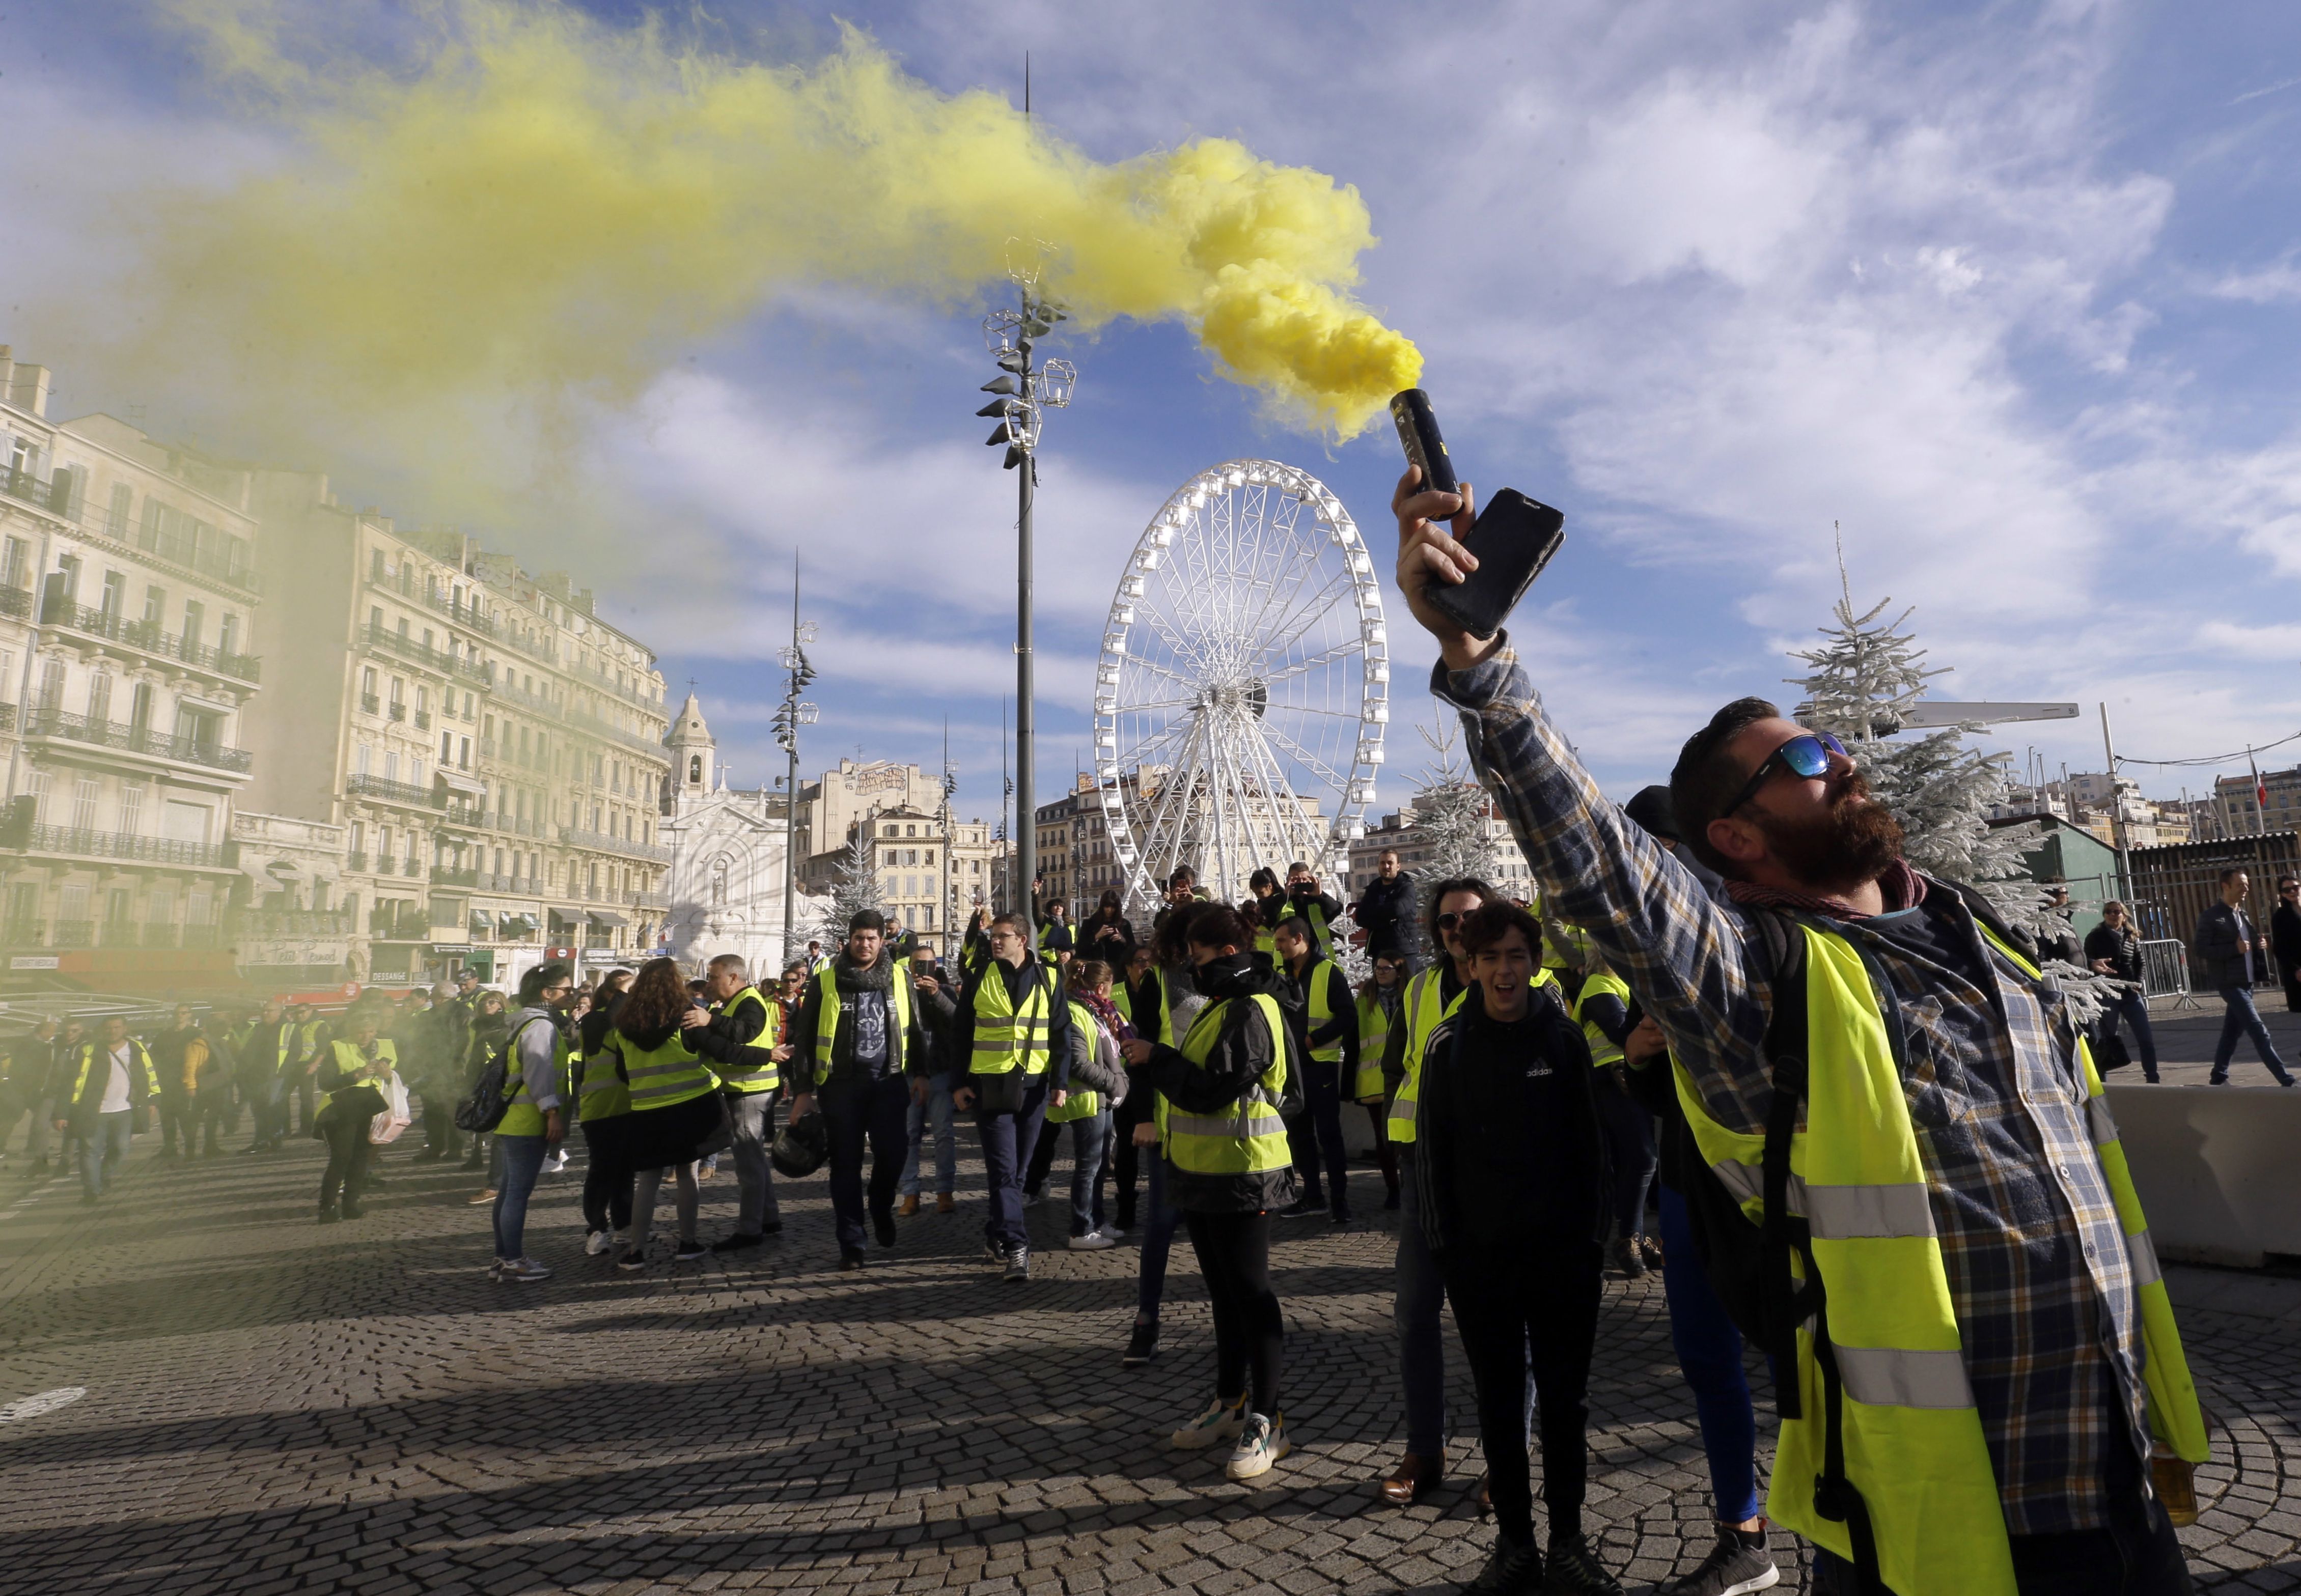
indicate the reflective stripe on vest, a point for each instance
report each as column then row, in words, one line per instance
column 828, row 1007
column 1076, row 1104
column 1374, row 1033
column 665, row 1076
column 137, row 1055
column 1601, row 983
column 1164, row 1031
column 1249, row 1140
column 1315, row 988
column 1913, row 1441
column 747, row 1076
column 1004, row 1037
column 521, row 1116
column 601, row 1091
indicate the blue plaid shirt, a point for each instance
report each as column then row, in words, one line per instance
column 2039, row 1277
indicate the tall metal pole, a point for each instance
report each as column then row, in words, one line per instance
column 2117, row 814
column 1006, row 820
column 790, row 795
column 1025, row 748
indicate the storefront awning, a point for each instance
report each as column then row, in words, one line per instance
column 605, row 918
column 519, row 923
column 457, row 782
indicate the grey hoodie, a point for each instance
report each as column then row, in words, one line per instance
column 536, row 1060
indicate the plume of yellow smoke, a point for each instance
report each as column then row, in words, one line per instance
column 538, row 208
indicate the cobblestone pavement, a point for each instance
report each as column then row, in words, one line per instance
column 273, row 1406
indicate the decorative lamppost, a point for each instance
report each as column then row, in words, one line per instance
column 790, row 717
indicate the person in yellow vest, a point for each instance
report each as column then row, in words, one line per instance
column 1228, row 1170
column 1316, row 906
column 349, row 1076
column 931, row 1113
column 1984, row 1363
column 1602, row 1009
column 1010, row 1048
column 1318, row 997
column 603, row 1110
column 1140, row 997
column 739, row 1035
column 856, row 1043
column 1264, row 908
column 312, row 1034
column 263, row 1063
column 1420, row 1297
column 1509, row 1171
column 1098, row 1082
column 675, row 1104
column 108, row 1093
column 1377, row 1005
column 536, row 1089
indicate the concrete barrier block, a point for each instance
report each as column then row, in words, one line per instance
column 2218, row 1168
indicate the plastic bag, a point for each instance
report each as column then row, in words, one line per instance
column 386, row 1125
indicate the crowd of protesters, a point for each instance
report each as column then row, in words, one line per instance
column 1871, row 1138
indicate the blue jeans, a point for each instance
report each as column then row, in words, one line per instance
column 522, row 1162
column 1008, row 1140
column 1089, row 1145
column 1710, row 1350
column 2241, row 1016
column 2133, row 1008
column 1421, row 1294
column 106, row 1143
column 1159, row 1218
column 937, row 1113
column 857, row 1111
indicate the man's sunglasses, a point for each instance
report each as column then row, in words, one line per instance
column 1806, row 756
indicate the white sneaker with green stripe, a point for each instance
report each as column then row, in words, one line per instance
column 1261, row 1444
column 1222, row 1421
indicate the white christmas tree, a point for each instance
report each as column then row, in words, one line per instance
column 1867, row 675
column 1452, row 812
column 854, row 888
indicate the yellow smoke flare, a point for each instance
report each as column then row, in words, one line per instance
column 540, row 206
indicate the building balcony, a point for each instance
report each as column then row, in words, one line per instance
column 202, row 936
column 461, row 614
column 16, row 603
column 146, row 638
column 455, row 667
column 290, row 923
column 396, row 710
column 357, row 862
column 423, row 720
column 371, row 703
column 83, row 843
column 43, row 493
column 394, row 792
column 137, row 739
column 443, row 875
column 23, row 933
column 74, row 933
column 608, row 842
column 650, row 900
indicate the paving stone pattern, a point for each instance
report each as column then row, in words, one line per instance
column 274, row 1407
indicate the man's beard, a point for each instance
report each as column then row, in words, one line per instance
column 1849, row 845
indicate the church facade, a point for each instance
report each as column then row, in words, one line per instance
column 726, row 877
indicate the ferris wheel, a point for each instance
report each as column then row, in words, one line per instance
column 1244, row 685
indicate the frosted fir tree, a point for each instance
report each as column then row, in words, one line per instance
column 1867, row 672
column 1452, row 819
column 854, row 888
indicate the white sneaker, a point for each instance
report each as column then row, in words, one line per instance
column 1262, row 1443
column 597, row 1242
column 1220, row 1422
column 496, row 1267
column 556, row 1162
column 1114, row 1233
column 1090, row 1241
column 521, row 1269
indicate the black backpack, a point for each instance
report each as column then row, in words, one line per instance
column 483, row 1110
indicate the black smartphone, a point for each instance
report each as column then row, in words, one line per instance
column 1514, row 537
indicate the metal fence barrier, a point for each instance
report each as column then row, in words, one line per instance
column 2165, row 968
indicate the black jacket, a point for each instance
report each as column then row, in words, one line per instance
column 1383, row 908
column 1342, row 1008
column 1018, row 979
column 2223, row 935
column 905, row 1044
column 1242, row 1050
column 729, row 1038
column 2120, row 947
column 1508, row 1153
column 2284, row 934
column 1110, row 939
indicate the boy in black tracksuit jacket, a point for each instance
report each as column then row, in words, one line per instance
column 1512, row 1175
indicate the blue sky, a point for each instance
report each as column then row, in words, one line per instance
column 2010, row 292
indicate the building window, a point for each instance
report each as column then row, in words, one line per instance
column 83, row 814
column 131, row 807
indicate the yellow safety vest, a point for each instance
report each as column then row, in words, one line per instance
column 763, row 1076
column 521, row 1116
column 1319, row 1010
column 1422, row 1014
column 308, row 1038
column 601, row 1092
column 1004, row 1037
column 359, row 1068
column 1601, row 983
column 1913, row 1437
column 1078, row 1105
column 90, row 1051
column 1249, row 1140
column 1163, row 1029
column 826, row 1017
column 1374, row 1034
column 662, row 1077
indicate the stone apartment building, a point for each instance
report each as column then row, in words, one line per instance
column 491, row 748
column 129, row 590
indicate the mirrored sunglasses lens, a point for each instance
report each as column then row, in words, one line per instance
column 1806, row 756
